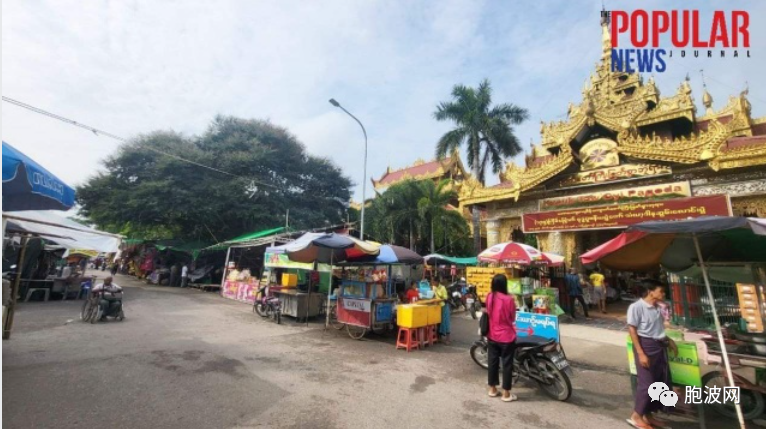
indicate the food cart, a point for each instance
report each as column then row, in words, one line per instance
column 366, row 299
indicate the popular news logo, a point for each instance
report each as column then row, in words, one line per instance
column 728, row 30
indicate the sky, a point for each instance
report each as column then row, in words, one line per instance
column 131, row 67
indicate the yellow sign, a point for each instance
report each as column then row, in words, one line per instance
column 635, row 194
column 599, row 153
column 84, row 252
column 615, row 174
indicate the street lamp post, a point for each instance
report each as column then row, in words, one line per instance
column 364, row 180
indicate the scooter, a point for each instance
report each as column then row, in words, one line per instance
column 538, row 359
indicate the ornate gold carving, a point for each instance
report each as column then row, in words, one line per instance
column 755, row 205
column 700, row 147
column 745, row 156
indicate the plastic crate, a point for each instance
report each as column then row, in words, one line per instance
column 434, row 314
column 412, row 316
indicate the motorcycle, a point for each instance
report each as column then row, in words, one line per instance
column 462, row 295
column 538, row 359
column 267, row 305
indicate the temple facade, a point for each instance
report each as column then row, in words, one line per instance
column 627, row 154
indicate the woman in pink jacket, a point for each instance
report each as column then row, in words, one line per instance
column 501, row 310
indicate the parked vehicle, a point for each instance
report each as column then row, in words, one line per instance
column 537, row 359
column 267, row 305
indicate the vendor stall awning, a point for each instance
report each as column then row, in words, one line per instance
column 63, row 231
column 450, row 259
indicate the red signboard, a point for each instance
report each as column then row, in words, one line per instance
column 624, row 215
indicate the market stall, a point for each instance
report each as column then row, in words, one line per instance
column 703, row 242
column 326, row 248
column 528, row 273
column 367, row 298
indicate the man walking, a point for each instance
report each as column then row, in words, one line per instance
column 599, row 289
column 575, row 292
column 184, row 275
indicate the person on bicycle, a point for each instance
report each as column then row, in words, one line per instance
column 111, row 297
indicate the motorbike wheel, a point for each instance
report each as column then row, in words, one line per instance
column 480, row 355
column 260, row 309
column 560, row 387
column 751, row 402
column 476, row 310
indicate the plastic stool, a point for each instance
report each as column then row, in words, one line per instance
column 432, row 335
column 408, row 338
column 541, row 311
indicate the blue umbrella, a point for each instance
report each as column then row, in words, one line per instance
column 29, row 186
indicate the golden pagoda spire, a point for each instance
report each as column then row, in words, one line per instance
column 707, row 99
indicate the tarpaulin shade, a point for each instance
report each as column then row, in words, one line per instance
column 326, row 248
column 438, row 258
column 389, row 255
column 255, row 235
column 65, row 232
column 29, row 186
column 649, row 245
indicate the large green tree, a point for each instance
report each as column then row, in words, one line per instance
column 267, row 172
column 486, row 132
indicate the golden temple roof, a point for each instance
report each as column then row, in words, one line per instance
column 641, row 123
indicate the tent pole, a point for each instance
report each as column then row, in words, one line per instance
column 329, row 293
column 225, row 269
column 719, row 332
column 8, row 322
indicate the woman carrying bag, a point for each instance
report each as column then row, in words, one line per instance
column 501, row 337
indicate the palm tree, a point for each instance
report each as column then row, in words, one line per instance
column 432, row 205
column 486, row 131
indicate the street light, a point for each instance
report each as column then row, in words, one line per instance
column 364, row 180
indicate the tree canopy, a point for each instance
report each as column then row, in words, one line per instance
column 486, row 131
column 416, row 214
column 144, row 194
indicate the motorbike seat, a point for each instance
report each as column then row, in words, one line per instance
column 533, row 341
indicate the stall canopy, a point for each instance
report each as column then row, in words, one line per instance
column 680, row 245
column 437, row 258
column 390, row 255
column 62, row 231
column 328, row 248
column 519, row 253
column 257, row 238
column 648, row 245
column 29, row 186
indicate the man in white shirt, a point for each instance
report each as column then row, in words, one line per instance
column 184, row 275
column 110, row 303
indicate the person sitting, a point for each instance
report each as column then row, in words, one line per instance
column 110, row 303
column 412, row 293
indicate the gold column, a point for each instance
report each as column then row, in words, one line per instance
column 493, row 232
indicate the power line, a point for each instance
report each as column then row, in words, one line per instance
column 99, row 132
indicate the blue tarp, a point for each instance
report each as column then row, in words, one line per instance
column 29, row 186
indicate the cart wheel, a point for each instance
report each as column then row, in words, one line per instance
column 334, row 320
column 356, row 332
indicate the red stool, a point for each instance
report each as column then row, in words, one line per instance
column 432, row 336
column 408, row 338
column 541, row 311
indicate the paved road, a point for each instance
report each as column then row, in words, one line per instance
column 187, row 359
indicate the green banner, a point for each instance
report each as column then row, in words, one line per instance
column 684, row 368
